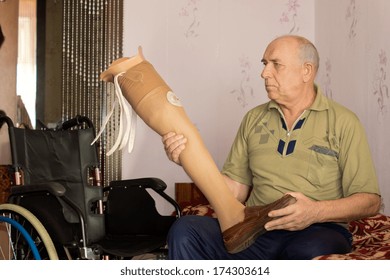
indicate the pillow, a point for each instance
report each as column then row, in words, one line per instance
column 192, row 201
column 200, row 210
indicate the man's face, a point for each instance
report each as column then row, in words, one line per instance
column 283, row 70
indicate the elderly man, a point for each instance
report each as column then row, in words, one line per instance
column 299, row 143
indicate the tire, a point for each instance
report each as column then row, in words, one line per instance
column 19, row 247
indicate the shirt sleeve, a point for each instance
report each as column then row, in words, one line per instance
column 237, row 163
column 357, row 167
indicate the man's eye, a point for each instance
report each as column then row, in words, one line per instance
column 278, row 65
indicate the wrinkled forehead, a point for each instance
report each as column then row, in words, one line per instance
column 281, row 49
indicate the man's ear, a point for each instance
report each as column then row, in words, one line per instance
column 308, row 71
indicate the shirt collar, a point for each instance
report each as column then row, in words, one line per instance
column 320, row 102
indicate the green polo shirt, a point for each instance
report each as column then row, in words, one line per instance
column 325, row 155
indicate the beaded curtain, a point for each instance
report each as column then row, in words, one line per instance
column 92, row 39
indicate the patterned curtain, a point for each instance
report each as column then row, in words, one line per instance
column 92, row 39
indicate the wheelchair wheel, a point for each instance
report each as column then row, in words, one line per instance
column 18, row 247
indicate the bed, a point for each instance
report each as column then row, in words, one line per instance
column 371, row 236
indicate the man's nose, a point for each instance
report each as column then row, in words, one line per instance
column 265, row 73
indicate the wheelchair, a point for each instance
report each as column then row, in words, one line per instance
column 58, row 209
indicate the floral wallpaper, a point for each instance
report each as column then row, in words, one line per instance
column 380, row 85
column 351, row 19
column 290, row 16
column 245, row 90
column 354, row 49
column 327, row 82
column 190, row 12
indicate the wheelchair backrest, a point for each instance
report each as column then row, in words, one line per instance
column 66, row 156
column 62, row 156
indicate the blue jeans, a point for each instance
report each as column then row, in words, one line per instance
column 199, row 238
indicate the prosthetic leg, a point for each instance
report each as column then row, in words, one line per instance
column 156, row 104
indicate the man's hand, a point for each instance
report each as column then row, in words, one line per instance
column 174, row 144
column 297, row 216
column 305, row 211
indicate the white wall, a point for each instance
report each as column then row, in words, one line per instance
column 352, row 38
column 209, row 52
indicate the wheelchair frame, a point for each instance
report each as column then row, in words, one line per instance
column 87, row 220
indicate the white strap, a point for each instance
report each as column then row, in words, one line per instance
column 105, row 122
column 123, row 137
column 133, row 125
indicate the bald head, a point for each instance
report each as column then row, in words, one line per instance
column 307, row 52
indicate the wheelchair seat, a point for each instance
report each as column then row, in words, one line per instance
column 145, row 228
column 57, row 178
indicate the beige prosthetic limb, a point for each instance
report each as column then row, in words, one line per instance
column 160, row 109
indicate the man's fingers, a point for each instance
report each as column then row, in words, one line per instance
column 165, row 137
column 174, row 144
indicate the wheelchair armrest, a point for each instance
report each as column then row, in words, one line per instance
column 53, row 188
column 155, row 184
column 150, row 182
